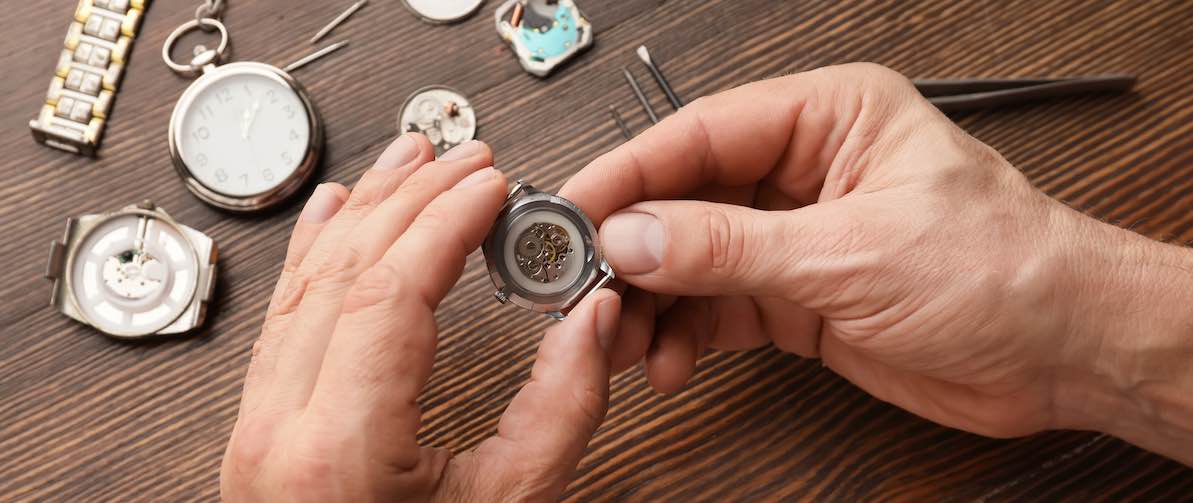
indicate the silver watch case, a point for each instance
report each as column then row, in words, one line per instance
column 63, row 253
column 269, row 198
column 596, row 272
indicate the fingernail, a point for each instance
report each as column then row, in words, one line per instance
column 475, row 178
column 323, row 204
column 397, row 154
column 607, row 322
column 633, row 242
column 462, row 151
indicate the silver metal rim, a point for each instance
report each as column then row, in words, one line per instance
column 476, row 5
column 193, row 67
column 497, row 236
column 280, row 192
column 73, row 251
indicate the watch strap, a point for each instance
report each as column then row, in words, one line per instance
column 87, row 76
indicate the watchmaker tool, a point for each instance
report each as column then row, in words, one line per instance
column 953, row 95
column 629, row 77
column 644, row 55
column 311, row 58
column 88, row 75
column 338, row 20
column 625, row 130
column 441, row 113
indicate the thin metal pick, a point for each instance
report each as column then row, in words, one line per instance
column 338, row 21
column 625, row 130
column 310, row 58
column 644, row 55
column 629, row 77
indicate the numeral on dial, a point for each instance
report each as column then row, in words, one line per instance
column 221, row 175
column 202, row 133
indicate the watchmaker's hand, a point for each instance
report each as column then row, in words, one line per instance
column 330, row 409
column 837, row 214
column 250, row 116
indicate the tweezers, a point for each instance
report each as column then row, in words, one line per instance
column 954, row 95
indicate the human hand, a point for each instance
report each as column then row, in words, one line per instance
column 837, row 214
column 329, row 409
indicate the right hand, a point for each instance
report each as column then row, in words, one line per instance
column 837, row 214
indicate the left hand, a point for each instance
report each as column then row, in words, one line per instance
column 329, row 409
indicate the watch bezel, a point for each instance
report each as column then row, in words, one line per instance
column 271, row 197
column 85, row 226
column 523, row 199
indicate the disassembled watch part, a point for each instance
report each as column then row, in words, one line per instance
column 543, row 34
column 542, row 253
column 133, row 273
column 441, row 113
column 442, row 11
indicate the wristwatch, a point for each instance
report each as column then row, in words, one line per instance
column 542, row 253
column 133, row 273
column 87, row 75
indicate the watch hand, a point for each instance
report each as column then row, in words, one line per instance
column 250, row 117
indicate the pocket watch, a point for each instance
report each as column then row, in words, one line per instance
column 244, row 136
column 542, row 253
column 133, row 273
column 543, row 33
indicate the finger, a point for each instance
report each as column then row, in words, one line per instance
column 405, row 155
column 732, row 323
column 358, row 250
column 383, row 345
column 544, row 431
column 325, row 201
column 707, row 249
column 798, row 122
column 671, row 359
column 635, row 331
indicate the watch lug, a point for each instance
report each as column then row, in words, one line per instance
column 57, row 262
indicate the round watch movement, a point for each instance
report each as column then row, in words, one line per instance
column 542, row 253
column 133, row 273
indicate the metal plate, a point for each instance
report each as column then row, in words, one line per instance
column 441, row 113
column 442, row 11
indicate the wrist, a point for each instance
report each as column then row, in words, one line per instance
column 1130, row 341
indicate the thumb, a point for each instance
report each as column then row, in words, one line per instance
column 544, row 431
column 697, row 248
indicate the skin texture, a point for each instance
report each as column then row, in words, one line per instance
column 834, row 214
column 847, row 219
column 329, row 407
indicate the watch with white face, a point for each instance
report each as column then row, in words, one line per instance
column 543, row 254
column 133, row 273
column 244, row 136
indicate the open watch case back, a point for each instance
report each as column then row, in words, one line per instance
column 543, row 254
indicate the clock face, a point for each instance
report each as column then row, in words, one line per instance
column 244, row 133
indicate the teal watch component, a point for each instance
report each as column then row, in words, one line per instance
column 543, row 34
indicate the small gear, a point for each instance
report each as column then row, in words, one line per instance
column 542, row 252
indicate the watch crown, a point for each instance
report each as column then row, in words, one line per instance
column 501, row 297
column 147, row 205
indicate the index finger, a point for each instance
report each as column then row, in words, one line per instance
column 796, row 123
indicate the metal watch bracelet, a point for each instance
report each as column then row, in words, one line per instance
column 88, row 74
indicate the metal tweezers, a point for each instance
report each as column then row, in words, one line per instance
column 954, row 95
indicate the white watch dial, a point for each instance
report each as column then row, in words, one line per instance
column 133, row 275
column 244, row 134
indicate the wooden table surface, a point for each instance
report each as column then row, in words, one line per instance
column 87, row 418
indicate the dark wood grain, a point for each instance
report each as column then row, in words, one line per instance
column 85, row 418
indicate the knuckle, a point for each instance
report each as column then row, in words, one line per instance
column 365, row 195
column 342, row 266
column 726, row 244
column 591, row 402
column 379, row 285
